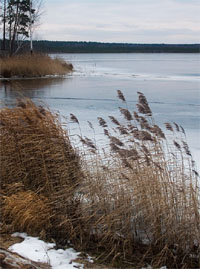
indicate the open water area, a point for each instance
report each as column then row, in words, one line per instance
column 170, row 82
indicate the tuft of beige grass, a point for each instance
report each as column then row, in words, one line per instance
column 27, row 211
column 36, row 65
column 36, row 155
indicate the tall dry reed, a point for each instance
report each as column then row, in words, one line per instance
column 36, row 154
column 132, row 203
column 36, row 65
column 141, row 200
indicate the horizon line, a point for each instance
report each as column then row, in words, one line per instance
column 102, row 42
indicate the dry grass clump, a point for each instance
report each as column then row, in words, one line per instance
column 36, row 153
column 138, row 202
column 141, row 200
column 36, row 65
column 27, row 211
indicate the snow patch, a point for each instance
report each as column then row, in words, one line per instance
column 39, row 251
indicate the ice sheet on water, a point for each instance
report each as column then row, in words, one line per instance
column 112, row 73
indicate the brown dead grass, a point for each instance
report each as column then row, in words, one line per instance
column 36, row 65
column 27, row 211
column 138, row 202
column 36, row 155
column 6, row 240
column 35, row 150
column 143, row 198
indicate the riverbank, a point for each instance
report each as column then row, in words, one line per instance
column 33, row 66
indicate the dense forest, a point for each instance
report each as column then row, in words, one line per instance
column 97, row 47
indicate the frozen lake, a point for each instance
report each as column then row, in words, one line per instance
column 170, row 82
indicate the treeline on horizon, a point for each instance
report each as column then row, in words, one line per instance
column 97, row 47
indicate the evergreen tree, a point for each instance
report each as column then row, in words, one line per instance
column 19, row 19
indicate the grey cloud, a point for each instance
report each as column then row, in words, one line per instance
column 125, row 21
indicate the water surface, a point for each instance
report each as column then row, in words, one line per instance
column 171, row 83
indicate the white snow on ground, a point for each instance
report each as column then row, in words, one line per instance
column 37, row 250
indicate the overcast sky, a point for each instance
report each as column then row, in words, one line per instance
column 134, row 21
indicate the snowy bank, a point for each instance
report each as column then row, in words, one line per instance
column 39, row 251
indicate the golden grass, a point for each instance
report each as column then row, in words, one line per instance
column 36, row 65
column 27, row 211
column 133, row 203
column 36, row 153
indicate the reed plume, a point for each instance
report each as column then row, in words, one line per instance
column 121, row 96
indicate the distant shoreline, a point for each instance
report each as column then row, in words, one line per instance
column 46, row 46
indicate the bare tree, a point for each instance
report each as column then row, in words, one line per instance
column 35, row 14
